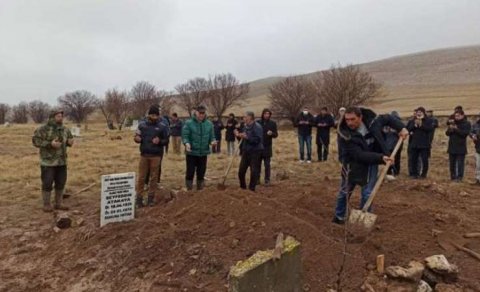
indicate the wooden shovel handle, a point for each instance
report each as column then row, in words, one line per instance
column 382, row 176
column 231, row 163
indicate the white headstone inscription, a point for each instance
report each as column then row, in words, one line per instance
column 118, row 198
column 134, row 126
column 75, row 131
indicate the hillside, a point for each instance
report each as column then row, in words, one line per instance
column 438, row 79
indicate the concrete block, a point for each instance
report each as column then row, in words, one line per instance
column 261, row 273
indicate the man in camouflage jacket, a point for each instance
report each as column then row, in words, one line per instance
column 53, row 139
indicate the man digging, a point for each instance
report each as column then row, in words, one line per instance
column 53, row 139
column 365, row 148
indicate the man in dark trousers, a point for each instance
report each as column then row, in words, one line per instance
column 457, row 132
column 324, row 122
column 391, row 139
column 476, row 140
column 229, row 135
column 53, row 139
column 217, row 130
column 152, row 136
column 252, row 149
column 432, row 134
column 420, row 128
column 365, row 148
column 176, row 133
column 304, row 124
column 197, row 136
column 269, row 133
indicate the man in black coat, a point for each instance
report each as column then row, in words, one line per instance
column 304, row 124
column 432, row 134
column 458, row 131
column 476, row 140
column 365, row 148
column 420, row 129
column 324, row 122
column 229, row 133
column 269, row 133
column 217, row 130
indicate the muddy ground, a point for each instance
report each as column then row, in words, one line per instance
column 189, row 243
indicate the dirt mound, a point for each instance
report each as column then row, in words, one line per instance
column 190, row 243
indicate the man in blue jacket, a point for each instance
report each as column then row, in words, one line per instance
column 152, row 137
column 324, row 122
column 252, row 149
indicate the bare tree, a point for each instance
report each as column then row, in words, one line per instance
column 167, row 102
column 143, row 95
column 115, row 107
column 78, row 105
column 4, row 109
column 226, row 91
column 289, row 96
column 38, row 111
column 20, row 113
column 193, row 93
column 346, row 86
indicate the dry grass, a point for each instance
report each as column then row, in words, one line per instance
column 95, row 154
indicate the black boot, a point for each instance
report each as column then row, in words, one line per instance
column 200, row 184
column 189, row 184
column 139, row 202
column 150, row 201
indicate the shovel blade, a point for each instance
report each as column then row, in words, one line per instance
column 362, row 219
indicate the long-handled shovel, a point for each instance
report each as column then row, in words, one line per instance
column 362, row 219
column 221, row 186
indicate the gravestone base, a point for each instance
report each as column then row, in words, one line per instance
column 261, row 272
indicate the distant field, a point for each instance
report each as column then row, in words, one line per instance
column 437, row 80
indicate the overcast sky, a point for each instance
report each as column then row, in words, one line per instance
column 49, row 47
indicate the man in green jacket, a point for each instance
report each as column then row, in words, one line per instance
column 197, row 136
column 53, row 139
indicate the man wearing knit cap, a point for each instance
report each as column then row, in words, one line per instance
column 197, row 136
column 152, row 137
column 53, row 139
column 420, row 129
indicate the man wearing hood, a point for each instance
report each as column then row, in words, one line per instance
column 361, row 133
column 197, row 136
column 252, row 149
column 152, row 136
column 53, row 139
column 476, row 140
column 324, row 122
column 457, row 133
column 304, row 123
column 269, row 133
column 420, row 129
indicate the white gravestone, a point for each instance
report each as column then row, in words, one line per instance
column 118, row 198
column 134, row 125
column 75, row 131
